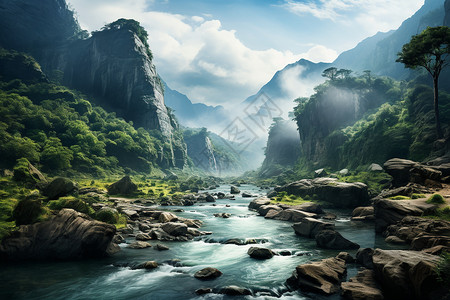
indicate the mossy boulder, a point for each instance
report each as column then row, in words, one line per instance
column 71, row 202
column 60, row 187
column 123, row 187
column 107, row 215
column 25, row 172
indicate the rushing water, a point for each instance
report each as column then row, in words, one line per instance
column 102, row 279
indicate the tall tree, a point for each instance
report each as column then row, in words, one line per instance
column 330, row 73
column 430, row 50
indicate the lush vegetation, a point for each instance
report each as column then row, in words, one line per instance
column 436, row 199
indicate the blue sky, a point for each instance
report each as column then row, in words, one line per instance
column 222, row 51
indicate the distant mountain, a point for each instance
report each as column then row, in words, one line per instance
column 192, row 114
column 379, row 52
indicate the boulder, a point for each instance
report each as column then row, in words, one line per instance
column 271, row 213
column 161, row 235
column 59, row 187
column 264, row 209
column 340, row 194
column 222, row 215
column 399, row 170
column 362, row 287
column 147, row 265
column 364, row 257
column 346, row 257
column 343, row 172
column 143, row 237
column 210, row 198
column 139, row 245
column 260, row 253
column 420, row 174
column 166, row 216
column 309, row 207
column 320, row 173
column 123, row 187
column 322, row 276
column 233, row 290
column 220, row 195
column 161, row 247
column 247, row 195
column 175, row 229
column 389, row 212
column 309, row 227
column 293, row 215
column 68, row 235
column 405, row 274
column 394, row 240
column 203, row 291
column 207, row 273
column 375, row 168
column 234, row 190
column 258, row 202
column 364, row 213
column 331, row 239
column 192, row 223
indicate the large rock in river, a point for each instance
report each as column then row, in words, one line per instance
column 331, row 239
column 340, row 194
column 260, row 253
column 362, row 287
column 68, row 235
column 309, row 227
column 406, row 274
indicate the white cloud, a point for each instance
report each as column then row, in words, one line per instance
column 372, row 15
column 197, row 56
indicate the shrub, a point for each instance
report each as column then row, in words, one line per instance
column 436, row 199
column 400, row 197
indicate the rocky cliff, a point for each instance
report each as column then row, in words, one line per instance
column 113, row 65
column 447, row 13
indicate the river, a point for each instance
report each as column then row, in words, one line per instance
column 103, row 279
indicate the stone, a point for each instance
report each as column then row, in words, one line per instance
column 123, row 187
column 329, row 216
column 150, row 265
column 258, row 202
column 247, row 195
column 68, row 235
column 309, row 207
column 118, row 239
column 399, row 170
column 293, row 215
column 343, row 172
column 375, row 168
column 309, row 227
column 346, row 257
column 263, row 210
column 139, row 245
column 362, row 287
column 436, row 250
column 405, row 274
column 207, row 273
column 365, row 213
column 192, row 223
column 161, row 247
column 210, row 198
column 234, row 190
column 166, row 216
column 394, row 240
column 364, row 257
column 131, row 214
column 340, row 194
column 59, row 187
column 203, row 291
column 175, row 229
column 233, row 290
column 220, row 195
column 271, row 213
column 322, row 276
column 222, row 215
column 320, row 173
column 422, row 174
column 143, row 237
column 161, row 235
column 260, row 253
column 331, row 239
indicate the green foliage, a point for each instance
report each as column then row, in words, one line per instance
column 71, row 202
column 400, row 197
column 443, row 269
column 27, row 211
column 417, row 196
column 436, row 199
column 285, row 198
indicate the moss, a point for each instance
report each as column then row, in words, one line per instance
column 108, row 216
column 375, row 181
column 418, row 196
column 285, row 198
column 436, row 199
column 27, row 211
column 400, row 197
column 71, row 202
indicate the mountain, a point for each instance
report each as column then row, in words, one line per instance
column 378, row 53
column 113, row 66
column 192, row 114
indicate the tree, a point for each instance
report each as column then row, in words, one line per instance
column 330, row 73
column 343, row 73
column 429, row 50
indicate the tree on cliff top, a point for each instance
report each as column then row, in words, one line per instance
column 133, row 26
column 430, row 50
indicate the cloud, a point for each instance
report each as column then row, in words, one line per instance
column 372, row 15
column 196, row 56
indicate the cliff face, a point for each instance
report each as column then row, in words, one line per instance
column 112, row 65
column 200, row 150
column 283, row 147
column 447, row 13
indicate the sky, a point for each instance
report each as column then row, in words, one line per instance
column 222, row 51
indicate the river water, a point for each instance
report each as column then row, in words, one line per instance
column 103, row 279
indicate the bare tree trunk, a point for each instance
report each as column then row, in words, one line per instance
column 436, row 108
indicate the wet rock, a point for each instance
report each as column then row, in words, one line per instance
column 161, row 247
column 309, row 227
column 364, row 257
column 126, row 230
column 148, row 265
column 210, row 198
column 365, row 213
column 143, row 237
column 222, row 215
column 322, row 276
column 329, row 216
column 233, row 290
column 258, row 202
column 394, row 240
column 68, row 235
column 293, row 215
column 331, row 239
column 234, row 190
column 207, row 273
column 203, row 291
column 161, row 235
column 260, row 253
column 166, row 216
column 285, row 253
column 406, row 274
column 118, row 239
column 362, row 287
column 175, row 229
column 123, row 187
column 271, row 213
column 60, row 187
column 220, row 195
column 192, row 223
column 340, row 194
column 310, row 207
column 131, row 214
column 139, row 245
column 346, row 257
column 247, row 195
